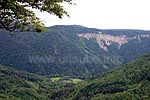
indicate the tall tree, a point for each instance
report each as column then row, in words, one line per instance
column 16, row 15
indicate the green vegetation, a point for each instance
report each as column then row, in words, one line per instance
column 55, row 79
column 75, row 80
column 60, row 52
column 66, row 79
column 129, row 82
column 18, row 85
column 17, row 14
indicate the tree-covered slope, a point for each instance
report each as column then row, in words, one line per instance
column 60, row 51
column 16, row 85
column 48, row 54
column 19, row 85
column 130, row 82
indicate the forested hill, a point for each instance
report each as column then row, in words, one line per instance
column 71, row 50
column 19, row 85
column 130, row 82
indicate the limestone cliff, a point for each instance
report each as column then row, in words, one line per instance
column 105, row 40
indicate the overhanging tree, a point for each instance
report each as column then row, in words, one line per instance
column 16, row 15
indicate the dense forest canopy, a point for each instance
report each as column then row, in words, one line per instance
column 129, row 82
column 16, row 15
column 75, row 56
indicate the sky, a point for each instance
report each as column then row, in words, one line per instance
column 104, row 14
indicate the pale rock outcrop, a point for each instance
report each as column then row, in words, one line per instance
column 105, row 40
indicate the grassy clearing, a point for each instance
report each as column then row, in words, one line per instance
column 55, row 79
column 75, row 80
column 69, row 80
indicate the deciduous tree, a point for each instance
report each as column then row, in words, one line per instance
column 17, row 15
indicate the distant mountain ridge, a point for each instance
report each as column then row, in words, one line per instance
column 72, row 50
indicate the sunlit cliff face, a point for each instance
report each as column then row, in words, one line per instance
column 105, row 40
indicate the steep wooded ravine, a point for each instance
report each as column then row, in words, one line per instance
column 62, row 52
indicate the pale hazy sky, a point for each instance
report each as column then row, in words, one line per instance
column 104, row 14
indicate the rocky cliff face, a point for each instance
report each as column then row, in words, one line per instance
column 105, row 40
